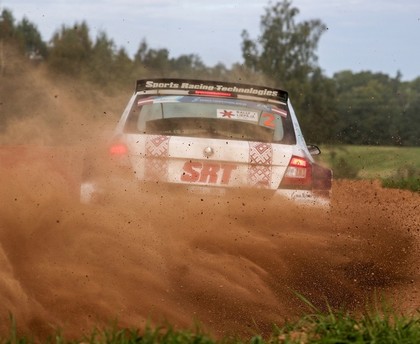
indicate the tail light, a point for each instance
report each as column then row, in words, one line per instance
column 119, row 154
column 118, row 149
column 113, row 159
column 298, row 174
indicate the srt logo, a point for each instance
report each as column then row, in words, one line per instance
column 207, row 172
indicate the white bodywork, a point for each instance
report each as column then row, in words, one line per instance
column 209, row 164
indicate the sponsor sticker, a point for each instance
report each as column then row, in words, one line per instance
column 207, row 172
column 240, row 115
column 156, row 84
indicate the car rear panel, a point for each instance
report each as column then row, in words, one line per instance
column 210, row 162
column 213, row 137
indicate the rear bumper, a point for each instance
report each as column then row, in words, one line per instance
column 92, row 192
column 304, row 197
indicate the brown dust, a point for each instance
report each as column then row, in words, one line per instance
column 235, row 266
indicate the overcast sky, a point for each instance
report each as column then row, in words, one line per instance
column 376, row 35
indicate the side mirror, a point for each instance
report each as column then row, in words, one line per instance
column 313, row 150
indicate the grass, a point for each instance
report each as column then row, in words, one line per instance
column 383, row 326
column 397, row 167
column 412, row 184
column 314, row 328
column 373, row 161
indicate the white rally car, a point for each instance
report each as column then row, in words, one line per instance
column 209, row 137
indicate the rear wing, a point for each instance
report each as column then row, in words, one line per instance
column 210, row 88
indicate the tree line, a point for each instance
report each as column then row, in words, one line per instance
column 348, row 108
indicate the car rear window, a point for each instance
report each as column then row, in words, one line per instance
column 224, row 118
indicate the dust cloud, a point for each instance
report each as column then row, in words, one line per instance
column 235, row 265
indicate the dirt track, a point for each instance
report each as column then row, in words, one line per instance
column 233, row 267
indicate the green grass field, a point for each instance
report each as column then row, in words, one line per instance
column 396, row 167
column 373, row 162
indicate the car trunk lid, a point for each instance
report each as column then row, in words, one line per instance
column 208, row 162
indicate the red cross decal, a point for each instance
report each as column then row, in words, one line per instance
column 227, row 114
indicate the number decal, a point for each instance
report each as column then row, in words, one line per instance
column 269, row 122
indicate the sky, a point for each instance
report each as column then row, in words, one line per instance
column 374, row 35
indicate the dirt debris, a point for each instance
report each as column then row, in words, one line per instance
column 236, row 267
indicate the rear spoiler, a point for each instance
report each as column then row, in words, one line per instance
column 191, row 86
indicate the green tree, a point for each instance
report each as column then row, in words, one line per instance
column 187, row 65
column 370, row 107
column 7, row 31
column 317, row 108
column 30, row 39
column 7, row 25
column 408, row 122
column 156, row 61
column 71, row 49
column 123, row 67
column 140, row 55
column 101, row 59
column 285, row 50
